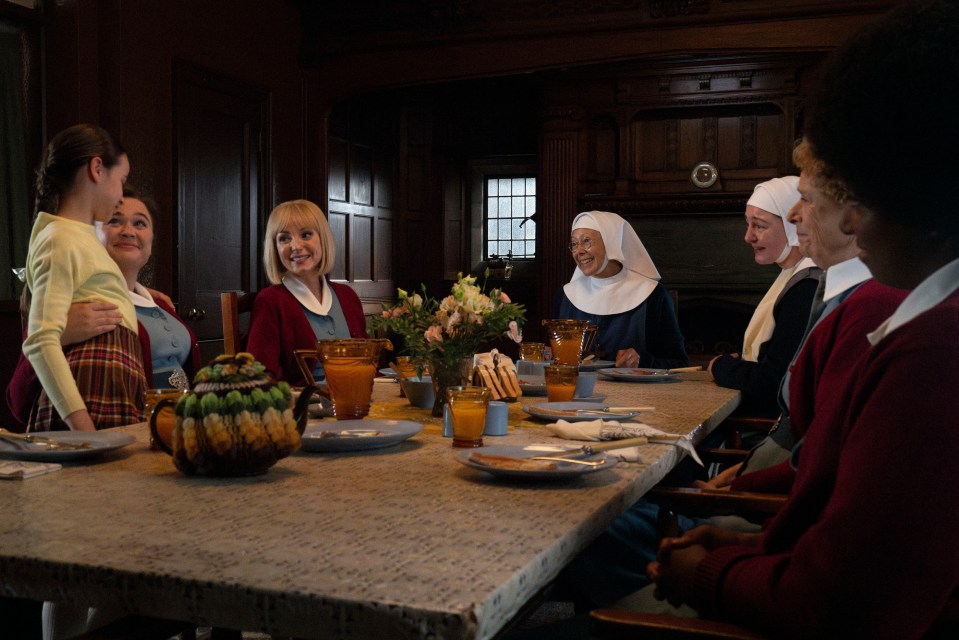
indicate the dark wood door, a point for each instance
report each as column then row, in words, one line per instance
column 221, row 166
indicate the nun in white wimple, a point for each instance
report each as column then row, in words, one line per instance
column 617, row 286
column 778, row 323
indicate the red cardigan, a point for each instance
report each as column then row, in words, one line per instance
column 866, row 545
column 837, row 341
column 279, row 325
column 24, row 386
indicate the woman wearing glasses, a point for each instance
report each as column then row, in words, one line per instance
column 616, row 286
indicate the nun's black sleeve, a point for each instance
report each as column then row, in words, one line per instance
column 759, row 381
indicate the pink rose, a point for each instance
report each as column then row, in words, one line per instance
column 504, row 298
column 434, row 334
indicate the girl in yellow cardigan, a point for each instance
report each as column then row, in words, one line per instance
column 98, row 383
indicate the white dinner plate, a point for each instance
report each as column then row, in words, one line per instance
column 638, row 374
column 562, row 470
column 356, row 435
column 577, row 411
column 595, row 365
column 100, row 442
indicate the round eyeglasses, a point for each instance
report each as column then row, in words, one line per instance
column 586, row 243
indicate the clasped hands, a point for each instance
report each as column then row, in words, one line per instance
column 674, row 569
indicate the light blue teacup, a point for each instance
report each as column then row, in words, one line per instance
column 585, row 384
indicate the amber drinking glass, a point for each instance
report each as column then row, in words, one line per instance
column 561, row 382
column 532, row 351
column 467, row 407
column 166, row 416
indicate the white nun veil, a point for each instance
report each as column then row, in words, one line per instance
column 627, row 289
column 776, row 196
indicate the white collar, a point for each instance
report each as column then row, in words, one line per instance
column 140, row 297
column 843, row 276
column 930, row 292
column 606, row 296
column 305, row 297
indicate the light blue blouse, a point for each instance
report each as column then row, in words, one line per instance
column 328, row 327
column 169, row 343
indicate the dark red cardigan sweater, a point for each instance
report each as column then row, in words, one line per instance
column 866, row 546
column 279, row 326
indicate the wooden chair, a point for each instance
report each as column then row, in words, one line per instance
column 232, row 306
column 697, row 503
column 732, row 430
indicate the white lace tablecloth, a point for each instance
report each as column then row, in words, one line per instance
column 402, row 542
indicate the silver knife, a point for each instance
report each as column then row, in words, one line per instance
column 593, row 448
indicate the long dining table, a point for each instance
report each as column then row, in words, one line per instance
column 399, row 542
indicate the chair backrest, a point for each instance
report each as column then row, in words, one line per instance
column 232, row 306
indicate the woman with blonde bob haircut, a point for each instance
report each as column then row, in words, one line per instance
column 303, row 305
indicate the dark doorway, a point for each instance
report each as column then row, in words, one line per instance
column 220, row 126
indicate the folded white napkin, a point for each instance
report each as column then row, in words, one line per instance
column 597, row 430
column 17, row 470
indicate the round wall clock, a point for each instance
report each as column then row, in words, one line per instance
column 704, row 175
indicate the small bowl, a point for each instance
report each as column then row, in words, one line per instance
column 419, row 391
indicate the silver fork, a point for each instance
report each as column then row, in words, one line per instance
column 22, row 440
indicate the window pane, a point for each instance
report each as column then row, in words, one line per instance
column 519, row 207
column 510, row 201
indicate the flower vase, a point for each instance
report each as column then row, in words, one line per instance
column 446, row 374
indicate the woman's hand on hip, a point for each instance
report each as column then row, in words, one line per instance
column 90, row 319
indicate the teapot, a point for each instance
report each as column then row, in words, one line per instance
column 236, row 422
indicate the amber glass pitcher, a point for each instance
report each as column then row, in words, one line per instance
column 350, row 366
column 570, row 339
